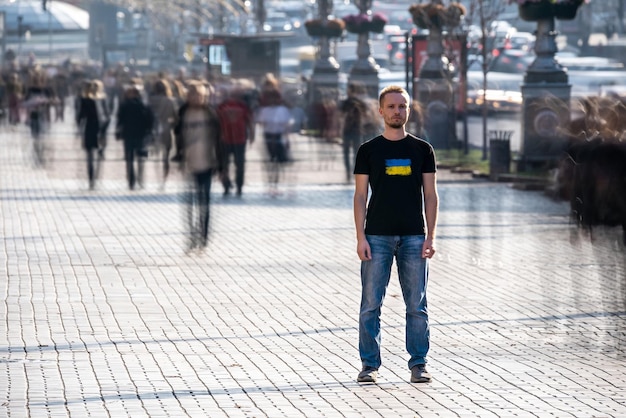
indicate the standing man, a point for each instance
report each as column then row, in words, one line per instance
column 400, row 169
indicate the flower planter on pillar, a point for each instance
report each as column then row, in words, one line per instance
column 324, row 82
column 565, row 11
column 377, row 26
column 436, row 65
column 532, row 12
column 435, row 87
column 365, row 71
column 546, row 90
column 435, row 93
column 319, row 31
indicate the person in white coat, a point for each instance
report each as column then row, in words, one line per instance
column 275, row 119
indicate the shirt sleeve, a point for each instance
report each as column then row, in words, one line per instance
column 361, row 165
column 430, row 165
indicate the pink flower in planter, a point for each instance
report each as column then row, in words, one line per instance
column 362, row 23
column 564, row 2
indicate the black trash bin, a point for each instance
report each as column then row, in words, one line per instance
column 499, row 153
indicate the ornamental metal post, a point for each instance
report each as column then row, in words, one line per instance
column 325, row 75
column 325, row 61
column 323, row 91
column 546, row 91
column 364, row 71
column 435, row 66
column 435, row 91
column 435, row 88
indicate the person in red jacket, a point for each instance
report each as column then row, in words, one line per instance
column 237, row 128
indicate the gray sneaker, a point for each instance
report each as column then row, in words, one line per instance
column 367, row 375
column 419, row 374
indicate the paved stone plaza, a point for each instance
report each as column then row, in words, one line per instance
column 105, row 315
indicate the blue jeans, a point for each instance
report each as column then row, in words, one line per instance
column 413, row 276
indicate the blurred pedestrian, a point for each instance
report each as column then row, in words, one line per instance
column 15, row 93
column 275, row 119
column 237, row 125
column 90, row 120
column 198, row 138
column 110, row 88
column 62, row 90
column 179, row 91
column 398, row 222
column 37, row 101
column 134, row 123
column 3, row 99
column 318, row 114
column 416, row 121
column 100, row 98
column 353, row 113
column 269, row 87
column 165, row 110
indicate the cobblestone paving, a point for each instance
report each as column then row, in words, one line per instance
column 105, row 315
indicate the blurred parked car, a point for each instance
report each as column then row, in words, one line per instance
column 576, row 63
column 512, row 61
column 277, row 22
column 396, row 46
column 498, row 33
column 523, row 41
column 594, row 76
column 503, row 93
column 588, row 76
column 597, row 83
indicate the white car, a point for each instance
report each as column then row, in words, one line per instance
column 503, row 93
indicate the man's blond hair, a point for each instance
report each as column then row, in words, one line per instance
column 392, row 89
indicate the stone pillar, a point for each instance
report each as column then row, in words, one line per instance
column 546, row 96
column 435, row 92
column 325, row 77
column 323, row 89
column 364, row 71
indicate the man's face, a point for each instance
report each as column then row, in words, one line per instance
column 395, row 110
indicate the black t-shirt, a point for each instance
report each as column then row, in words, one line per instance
column 395, row 171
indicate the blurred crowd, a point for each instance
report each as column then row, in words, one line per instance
column 202, row 128
column 39, row 96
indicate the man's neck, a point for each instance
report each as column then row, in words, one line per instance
column 392, row 134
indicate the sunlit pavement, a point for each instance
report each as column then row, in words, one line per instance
column 105, row 314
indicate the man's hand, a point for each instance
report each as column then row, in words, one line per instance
column 363, row 250
column 428, row 250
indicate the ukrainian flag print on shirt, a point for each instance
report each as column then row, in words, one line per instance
column 398, row 167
